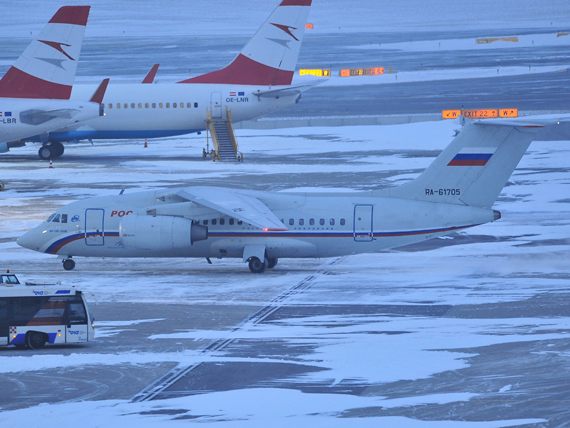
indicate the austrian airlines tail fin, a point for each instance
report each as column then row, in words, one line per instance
column 47, row 67
column 270, row 57
column 475, row 167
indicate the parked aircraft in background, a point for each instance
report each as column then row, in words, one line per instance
column 455, row 192
column 256, row 83
column 35, row 92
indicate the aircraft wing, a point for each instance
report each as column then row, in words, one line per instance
column 37, row 117
column 239, row 206
column 289, row 90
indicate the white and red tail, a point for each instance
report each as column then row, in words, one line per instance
column 270, row 57
column 47, row 67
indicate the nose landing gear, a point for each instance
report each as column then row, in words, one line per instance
column 68, row 264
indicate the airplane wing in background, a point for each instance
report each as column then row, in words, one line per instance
column 239, row 206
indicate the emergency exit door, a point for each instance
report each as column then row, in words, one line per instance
column 94, row 232
column 363, row 223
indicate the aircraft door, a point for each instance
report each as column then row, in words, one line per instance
column 363, row 223
column 216, row 105
column 94, row 232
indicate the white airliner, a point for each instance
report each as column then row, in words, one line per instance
column 455, row 192
column 35, row 92
column 257, row 82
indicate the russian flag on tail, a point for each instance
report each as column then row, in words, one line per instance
column 472, row 156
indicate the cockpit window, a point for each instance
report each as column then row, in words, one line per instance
column 56, row 219
column 64, row 218
column 50, row 218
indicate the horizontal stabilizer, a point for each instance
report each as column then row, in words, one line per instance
column 234, row 204
column 37, row 117
column 288, row 91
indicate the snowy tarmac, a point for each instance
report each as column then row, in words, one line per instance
column 472, row 330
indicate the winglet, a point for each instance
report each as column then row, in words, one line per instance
column 151, row 74
column 47, row 67
column 270, row 56
column 100, row 92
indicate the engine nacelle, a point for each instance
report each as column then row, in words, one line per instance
column 159, row 233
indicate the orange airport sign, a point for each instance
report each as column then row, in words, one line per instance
column 309, row 26
column 450, row 114
column 480, row 114
column 373, row 71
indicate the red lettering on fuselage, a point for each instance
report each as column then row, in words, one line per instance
column 120, row 213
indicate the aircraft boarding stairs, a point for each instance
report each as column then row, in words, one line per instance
column 223, row 139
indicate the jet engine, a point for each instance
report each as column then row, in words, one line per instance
column 159, row 233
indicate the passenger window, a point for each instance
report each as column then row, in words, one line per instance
column 167, row 105
column 214, row 221
column 195, row 105
column 174, row 105
column 140, row 105
column 222, row 221
column 205, row 222
column 159, row 105
column 291, row 222
column 153, row 105
column 181, row 105
column 231, row 221
column 312, row 222
column 64, row 218
column 240, row 222
column 301, row 222
column 110, row 105
column 342, row 222
column 118, row 105
column 56, row 218
column 332, row 221
column 322, row 222
column 145, row 105
column 132, row 105
column 126, row 105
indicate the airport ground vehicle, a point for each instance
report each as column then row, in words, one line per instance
column 31, row 316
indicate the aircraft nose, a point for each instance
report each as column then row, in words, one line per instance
column 28, row 240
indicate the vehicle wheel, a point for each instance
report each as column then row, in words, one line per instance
column 57, row 149
column 45, row 153
column 68, row 264
column 271, row 263
column 35, row 340
column 256, row 265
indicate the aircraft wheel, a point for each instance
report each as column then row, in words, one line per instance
column 57, row 149
column 271, row 263
column 256, row 265
column 45, row 153
column 35, row 340
column 68, row 264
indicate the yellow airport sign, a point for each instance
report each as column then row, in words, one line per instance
column 450, row 114
column 315, row 72
column 508, row 112
column 372, row 71
column 480, row 114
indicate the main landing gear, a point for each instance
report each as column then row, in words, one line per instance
column 257, row 266
column 68, row 264
column 51, row 151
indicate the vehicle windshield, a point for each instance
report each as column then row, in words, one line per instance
column 9, row 279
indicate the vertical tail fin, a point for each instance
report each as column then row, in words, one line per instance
column 47, row 67
column 270, row 56
column 475, row 167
